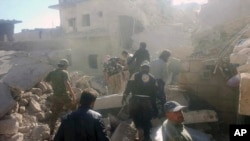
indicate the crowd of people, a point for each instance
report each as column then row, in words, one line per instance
column 145, row 82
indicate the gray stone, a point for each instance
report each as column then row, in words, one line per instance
column 104, row 102
column 200, row 116
column 26, row 76
column 42, row 85
column 16, row 137
column 37, row 98
column 40, row 116
column 26, row 95
column 17, row 117
column 23, row 102
column 24, row 129
column 44, row 107
column 29, row 120
column 5, row 62
column 46, row 135
column 22, row 109
column 15, row 108
column 35, row 106
column 9, row 126
column 40, row 132
column 6, row 101
column 36, row 91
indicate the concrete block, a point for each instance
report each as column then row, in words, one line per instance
column 35, row 106
column 16, row 137
column 238, row 59
column 244, row 98
column 17, row 117
column 200, row 116
column 5, row 62
column 42, row 85
column 24, row 129
column 108, row 102
column 39, row 131
column 6, row 100
column 9, row 126
column 244, row 68
column 37, row 91
column 27, row 76
column 22, row 109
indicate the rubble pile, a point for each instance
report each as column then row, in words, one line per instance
column 26, row 120
column 240, row 57
column 24, row 96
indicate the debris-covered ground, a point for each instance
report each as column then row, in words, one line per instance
column 24, row 101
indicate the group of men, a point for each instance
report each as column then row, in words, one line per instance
column 146, row 86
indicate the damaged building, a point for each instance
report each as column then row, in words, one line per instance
column 97, row 32
column 7, row 29
column 211, row 73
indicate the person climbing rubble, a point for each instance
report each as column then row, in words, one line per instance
column 63, row 95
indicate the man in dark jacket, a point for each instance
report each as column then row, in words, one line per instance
column 142, row 106
column 140, row 55
column 83, row 124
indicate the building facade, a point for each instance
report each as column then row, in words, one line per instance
column 95, row 29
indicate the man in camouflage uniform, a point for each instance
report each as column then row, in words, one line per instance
column 60, row 99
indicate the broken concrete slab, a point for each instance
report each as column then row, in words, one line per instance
column 9, row 126
column 6, row 100
column 40, row 132
column 200, row 116
column 5, row 64
column 244, row 98
column 16, row 137
column 26, row 76
column 244, row 68
column 235, row 58
column 35, row 106
column 108, row 102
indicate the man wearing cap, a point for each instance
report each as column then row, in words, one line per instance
column 173, row 128
column 62, row 92
column 142, row 106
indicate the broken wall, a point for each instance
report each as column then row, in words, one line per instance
column 210, row 86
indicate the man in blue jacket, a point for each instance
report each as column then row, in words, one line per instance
column 83, row 124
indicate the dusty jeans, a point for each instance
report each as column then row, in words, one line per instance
column 60, row 103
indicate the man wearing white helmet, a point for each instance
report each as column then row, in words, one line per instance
column 142, row 105
column 62, row 92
